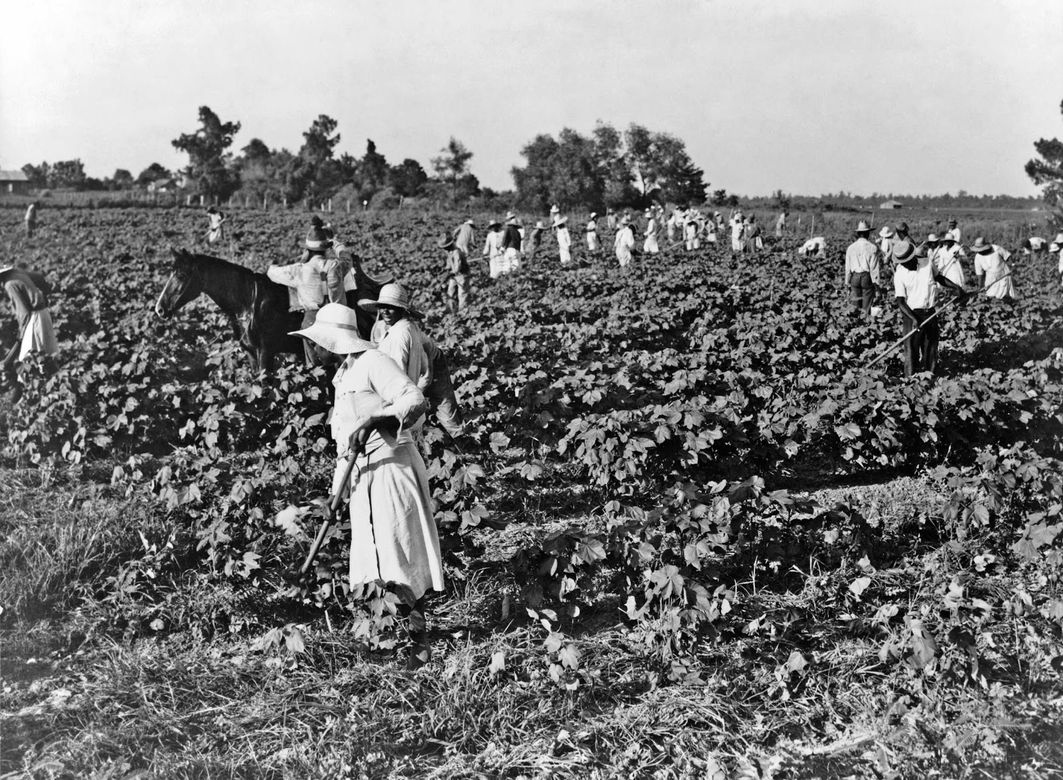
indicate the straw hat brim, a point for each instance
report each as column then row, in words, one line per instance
column 334, row 337
column 367, row 304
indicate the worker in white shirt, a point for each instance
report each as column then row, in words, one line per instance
column 1034, row 246
column 814, row 247
column 945, row 255
column 915, row 287
column 862, row 270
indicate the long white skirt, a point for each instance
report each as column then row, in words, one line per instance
column 496, row 266
column 649, row 246
column 393, row 534
column 998, row 282
column 510, row 261
column 566, row 254
column 39, row 335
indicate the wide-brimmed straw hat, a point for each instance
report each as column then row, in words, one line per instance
column 862, row 227
column 949, row 236
column 493, row 223
column 391, row 294
column 540, row 225
column 980, row 246
column 594, row 214
column 335, row 329
column 1058, row 239
column 932, row 238
column 903, row 251
column 559, row 221
column 886, row 232
column 445, row 241
column 511, row 217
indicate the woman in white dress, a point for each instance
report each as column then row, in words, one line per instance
column 650, row 245
column 564, row 240
column 376, row 414
column 994, row 275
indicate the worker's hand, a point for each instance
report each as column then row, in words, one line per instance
column 963, row 298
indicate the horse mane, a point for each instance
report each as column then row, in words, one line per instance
column 216, row 263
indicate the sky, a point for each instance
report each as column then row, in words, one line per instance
column 806, row 96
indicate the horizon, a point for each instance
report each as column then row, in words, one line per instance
column 803, row 98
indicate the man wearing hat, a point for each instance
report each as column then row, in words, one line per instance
column 915, row 286
column 493, row 248
column 954, row 229
column 814, row 247
column 27, row 291
column 862, row 270
column 313, row 281
column 511, row 241
column 650, row 245
column 692, row 229
column 593, row 244
column 564, row 240
column 463, row 238
column 397, row 333
column 457, row 293
column 31, row 219
column 1034, row 245
column 780, row 224
column 992, row 271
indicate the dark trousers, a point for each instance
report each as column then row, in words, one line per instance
column 310, row 353
column 861, row 291
column 11, row 358
column 921, row 349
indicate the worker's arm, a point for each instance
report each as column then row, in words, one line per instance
column 906, row 310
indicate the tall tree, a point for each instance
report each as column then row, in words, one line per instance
column 659, row 161
column 151, row 173
column 1047, row 172
column 564, row 171
column 312, row 173
column 618, row 190
column 209, row 162
column 452, row 162
column 407, row 179
column 67, row 173
column 122, row 180
column 37, row 174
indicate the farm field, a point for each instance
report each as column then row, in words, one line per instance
column 688, row 532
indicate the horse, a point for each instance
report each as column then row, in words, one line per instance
column 257, row 307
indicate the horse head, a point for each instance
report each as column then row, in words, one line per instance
column 183, row 285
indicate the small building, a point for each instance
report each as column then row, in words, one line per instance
column 14, row 183
column 161, row 185
column 891, row 204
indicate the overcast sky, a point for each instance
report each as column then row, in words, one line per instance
column 810, row 96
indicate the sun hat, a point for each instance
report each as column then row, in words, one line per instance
column 510, row 217
column 932, row 238
column 445, row 241
column 559, row 221
column 335, row 329
column 1053, row 247
column 902, row 251
column 469, row 221
column 493, row 223
column 1058, row 239
column 391, row 294
column 980, row 246
column 861, row 227
column 317, row 239
column 950, row 236
column 594, row 214
column 540, row 225
column 886, row 232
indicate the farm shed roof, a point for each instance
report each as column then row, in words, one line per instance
column 13, row 176
column 891, row 204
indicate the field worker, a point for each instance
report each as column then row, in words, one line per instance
column 463, row 238
column 1034, row 246
column 312, row 282
column 593, row 244
column 737, row 226
column 28, row 293
column 1057, row 246
column 947, row 259
column 915, row 291
column 555, row 212
column 717, row 217
column 692, row 230
column 376, row 415
column 992, row 271
column 215, row 231
column 862, row 270
column 610, row 219
column 814, row 247
column 885, row 244
column 399, row 337
column 650, row 246
column 780, row 224
column 534, row 240
column 671, row 224
column 624, row 242
column 564, row 240
column 954, row 229
column 457, row 293
column 511, row 241
column 30, row 219
column 493, row 248
column 751, row 238
column 902, row 233
column 709, row 229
